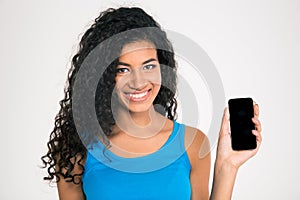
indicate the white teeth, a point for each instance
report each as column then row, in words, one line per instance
column 136, row 96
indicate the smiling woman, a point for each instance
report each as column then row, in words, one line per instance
column 142, row 152
column 138, row 77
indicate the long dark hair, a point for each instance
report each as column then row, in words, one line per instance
column 65, row 147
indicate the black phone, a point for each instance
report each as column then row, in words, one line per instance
column 241, row 113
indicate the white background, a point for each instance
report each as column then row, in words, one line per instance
column 254, row 44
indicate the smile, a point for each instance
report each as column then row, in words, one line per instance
column 136, row 97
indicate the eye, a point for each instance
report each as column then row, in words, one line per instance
column 149, row 67
column 122, row 70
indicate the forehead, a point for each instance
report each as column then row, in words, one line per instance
column 138, row 51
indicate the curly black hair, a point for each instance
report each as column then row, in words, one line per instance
column 65, row 146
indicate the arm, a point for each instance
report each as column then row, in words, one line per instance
column 223, row 182
column 200, row 163
column 228, row 161
column 70, row 190
column 226, row 165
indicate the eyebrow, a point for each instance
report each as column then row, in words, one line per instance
column 145, row 62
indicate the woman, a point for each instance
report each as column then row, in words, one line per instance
column 141, row 151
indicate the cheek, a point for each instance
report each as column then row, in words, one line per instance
column 120, row 82
column 157, row 88
column 155, row 78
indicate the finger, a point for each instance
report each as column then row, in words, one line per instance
column 257, row 134
column 257, row 124
column 225, row 123
column 256, row 110
column 258, row 137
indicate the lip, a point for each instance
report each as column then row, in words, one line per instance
column 138, row 96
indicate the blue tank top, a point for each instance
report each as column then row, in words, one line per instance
column 164, row 174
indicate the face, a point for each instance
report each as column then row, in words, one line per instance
column 138, row 76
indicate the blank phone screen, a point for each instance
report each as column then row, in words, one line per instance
column 241, row 125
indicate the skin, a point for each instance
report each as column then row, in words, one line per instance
column 139, row 72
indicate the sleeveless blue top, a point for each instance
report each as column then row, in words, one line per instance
column 164, row 174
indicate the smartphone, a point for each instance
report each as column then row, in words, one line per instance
column 241, row 113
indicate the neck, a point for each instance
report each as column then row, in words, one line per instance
column 139, row 124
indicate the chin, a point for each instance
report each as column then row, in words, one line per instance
column 139, row 109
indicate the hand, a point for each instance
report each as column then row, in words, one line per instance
column 225, row 154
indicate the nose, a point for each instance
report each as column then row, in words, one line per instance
column 137, row 80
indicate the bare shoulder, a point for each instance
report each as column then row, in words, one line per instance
column 198, row 151
column 194, row 137
column 196, row 143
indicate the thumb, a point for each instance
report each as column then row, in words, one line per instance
column 225, row 123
